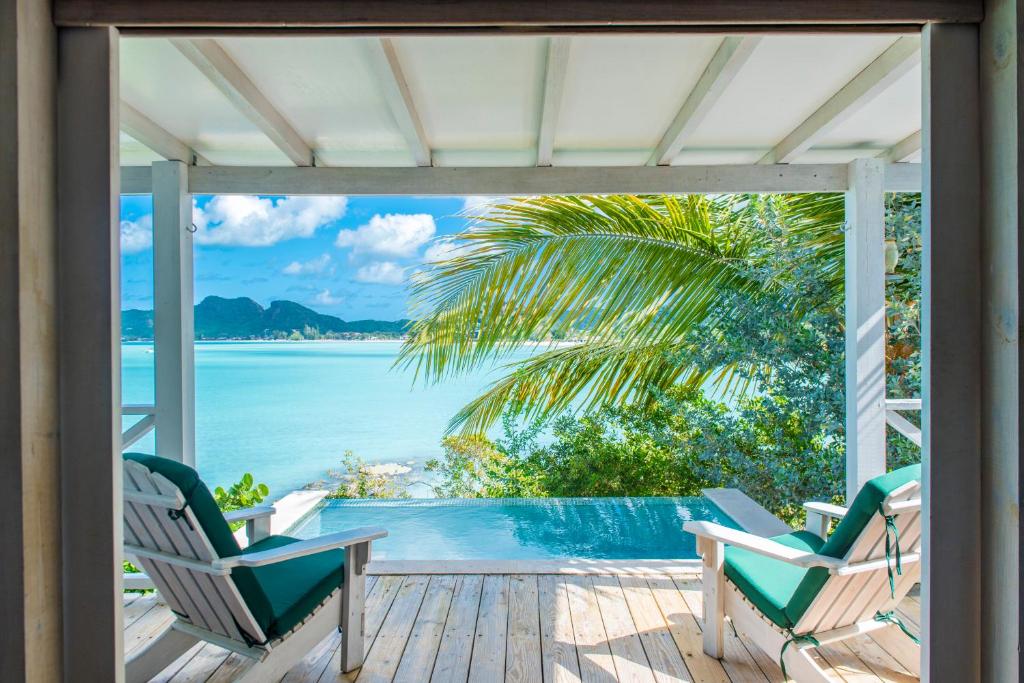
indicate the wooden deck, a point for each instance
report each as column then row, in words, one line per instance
column 543, row 628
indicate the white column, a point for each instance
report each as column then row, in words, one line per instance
column 173, row 325
column 865, row 324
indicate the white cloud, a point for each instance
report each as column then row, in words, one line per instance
column 250, row 221
column 137, row 235
column 477, row 205
column 395, row 234
column 382, row 273
column 444, row 249
column 325, row 298
column 316, row 266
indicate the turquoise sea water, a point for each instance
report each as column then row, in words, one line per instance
column 513, row 529
column 287, row 411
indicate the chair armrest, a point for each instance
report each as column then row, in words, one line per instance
column 312, row 546
column 246, row 514
column 826, row 509
column 761, row 546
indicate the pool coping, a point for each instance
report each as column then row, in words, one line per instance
column 556, row 566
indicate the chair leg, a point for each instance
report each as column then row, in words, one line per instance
column 714, row 597
column 167, row 647
column 353, row 599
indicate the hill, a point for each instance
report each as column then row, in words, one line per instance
column 243, row 318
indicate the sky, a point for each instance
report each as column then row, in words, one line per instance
column 346, row 256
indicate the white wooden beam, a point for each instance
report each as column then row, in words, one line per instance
column 865, row 324
column 156, row 138
column 89, row 305
column 396, row 91
column 218, row 66
column 520, row 180
column 902, row 150
column 953, row 388
column 173, row 325
column 551, row 103
column 896, row 61
column 728, row 59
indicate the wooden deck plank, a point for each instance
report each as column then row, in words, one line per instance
column 421, row 650
column 313, row 664
column 631, row 662
column 456, row 648
column 737, row 662
column 533, row 628
column 685, row 631
column 595, row 657
column 667, row 663
column 522, row 652
column 558, row 645
column 487, row 664
column 378, row 604
column 387, row 649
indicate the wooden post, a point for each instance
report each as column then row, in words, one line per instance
column 713, row 582
column 865, row 324
column 173, row 326
column 30, row 562
column 1002, row 129
column 90, row 353
column 951, row 355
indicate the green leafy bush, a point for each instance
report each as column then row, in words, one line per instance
column 242, row 494
column 359, row 482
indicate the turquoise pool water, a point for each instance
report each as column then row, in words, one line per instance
column 521, row 529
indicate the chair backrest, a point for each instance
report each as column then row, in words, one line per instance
column 177, row 549
column 845, row 599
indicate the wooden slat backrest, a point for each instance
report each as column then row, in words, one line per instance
column 208, row 601
column 849, row 599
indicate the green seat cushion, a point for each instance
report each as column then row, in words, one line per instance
column 210, row 518
column 768, row 583
column 295, row 587
column 782, row 591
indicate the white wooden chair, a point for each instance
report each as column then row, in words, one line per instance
column 793, row 592
column 271, row 602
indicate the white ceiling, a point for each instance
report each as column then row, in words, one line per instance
column 479, row 99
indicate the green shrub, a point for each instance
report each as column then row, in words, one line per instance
column 359, row 482
column 242, row 494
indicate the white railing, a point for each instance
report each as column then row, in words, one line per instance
column 900, row 423
column 140, row 428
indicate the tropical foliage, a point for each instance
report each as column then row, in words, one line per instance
column 358, row 480
column 631, row 276
column 244, row 493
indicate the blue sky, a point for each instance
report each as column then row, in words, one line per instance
column 347, row 256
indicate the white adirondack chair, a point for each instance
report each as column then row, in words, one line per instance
column 272, row 602
column 838, row 587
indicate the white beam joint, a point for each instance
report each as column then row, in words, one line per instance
column 729, row 58
column 156, row 138
column 399, row 97
column 551, row 104
column 901, row 57
column 217, row 65
column 173, row 324
column 865, row 324
column 902, row 150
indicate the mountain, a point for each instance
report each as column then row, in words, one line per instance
column 243, row 318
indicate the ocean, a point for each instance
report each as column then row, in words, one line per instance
column 287, row 411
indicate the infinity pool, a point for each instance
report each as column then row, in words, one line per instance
column 522, row 528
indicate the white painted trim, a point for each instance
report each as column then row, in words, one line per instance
column 865, row 324
column 392, row 80
column 492, row 181
column 142, row 128
column 173, row 324
column 137, row 431
column 903, row 426
column 217, row 65
column 903, row 404
column 729, row 58
column 903, row 149
column 563, row 566
column 897, row 60
column 551, row 102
